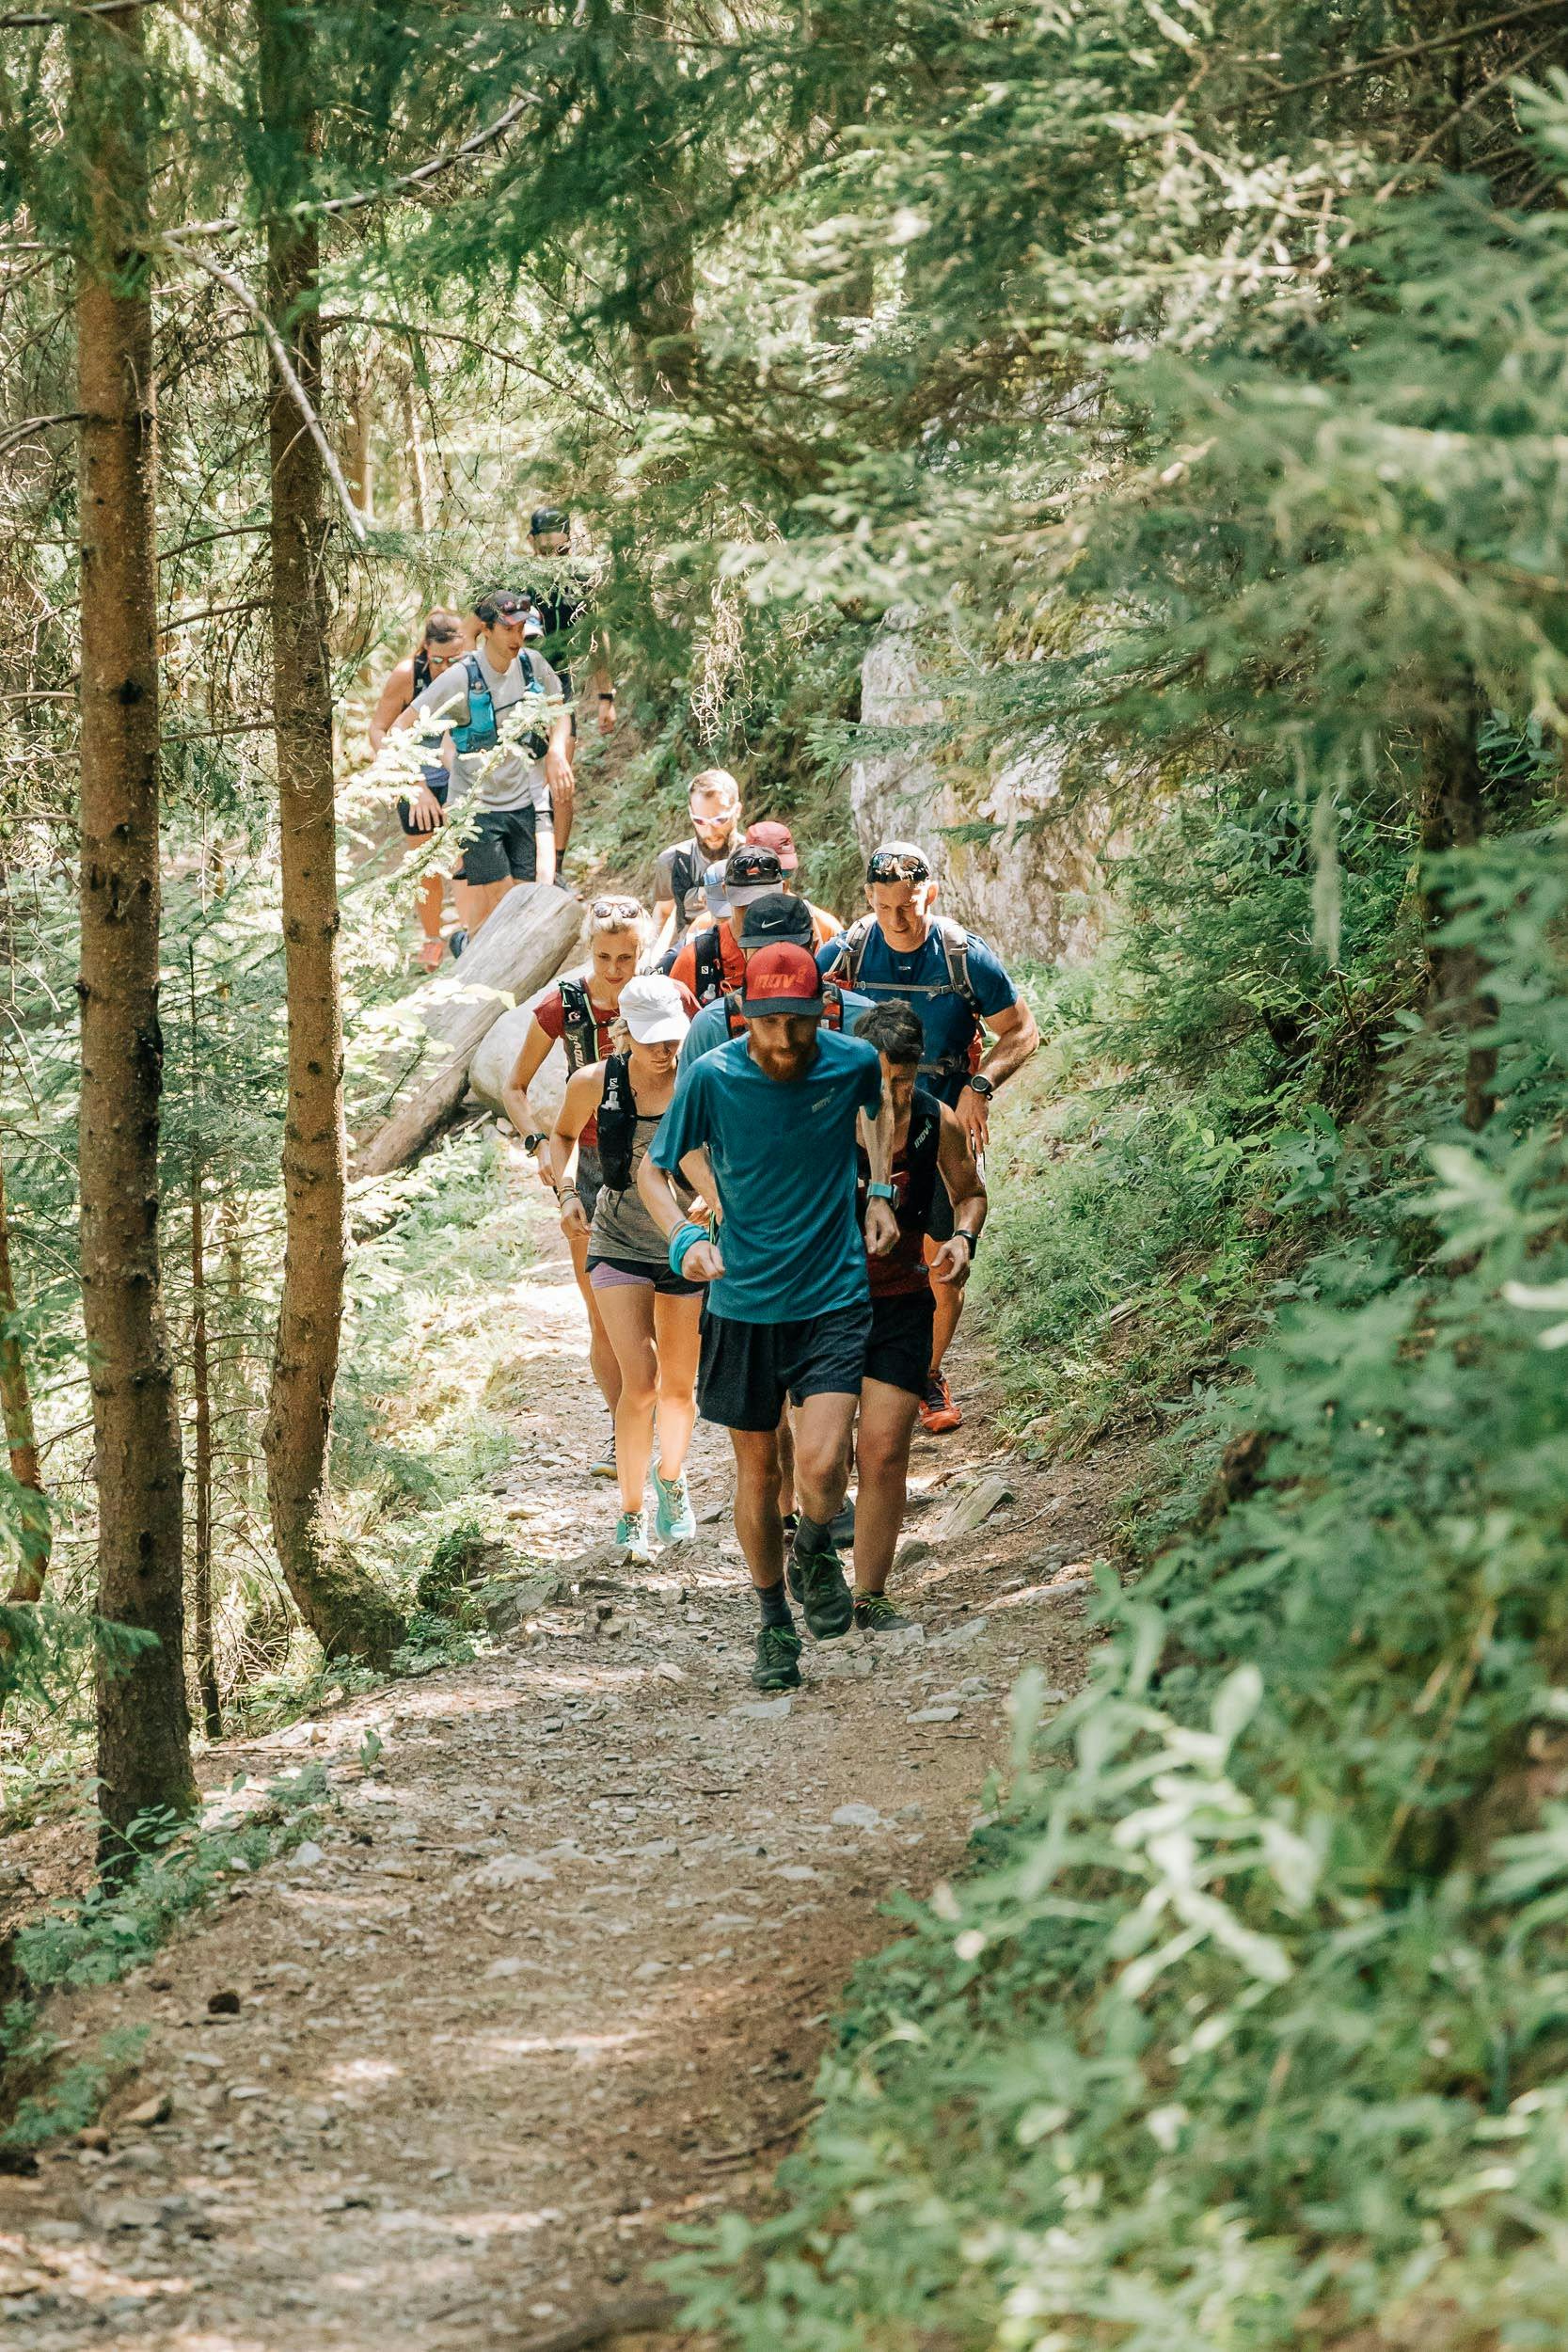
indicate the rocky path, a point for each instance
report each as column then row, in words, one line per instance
column 557, row 1971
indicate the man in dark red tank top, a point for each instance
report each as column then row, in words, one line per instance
column 932, row 1164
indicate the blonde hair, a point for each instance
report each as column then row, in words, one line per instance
column 612, row 914
column 713, row 780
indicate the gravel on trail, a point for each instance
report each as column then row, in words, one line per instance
column 556, row 1970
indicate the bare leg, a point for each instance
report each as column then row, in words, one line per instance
column 822, row 1447
column 432, row 945
column 758, row 1522
column 476, row 901
column 786, row 1463
column 950, row 1306
column 678, row 1328
column 628, row 1318
column 882, row 1456
column 601, row 1356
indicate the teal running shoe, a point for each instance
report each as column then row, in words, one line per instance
column 631, row 1536
column 674, row 1520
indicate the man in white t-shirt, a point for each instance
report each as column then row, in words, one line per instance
column 505, row 744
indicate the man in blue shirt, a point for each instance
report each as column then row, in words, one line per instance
column 765, row 1128
column 960, row 990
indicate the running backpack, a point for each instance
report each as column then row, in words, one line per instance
column 579, row 1030
column 481, row 732
column 954, row 951
column 833, row 1004
column 617, row 1123
column 707, row 960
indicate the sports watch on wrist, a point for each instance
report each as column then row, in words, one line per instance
column 968, row 1239
column 982, row 1086
column 531, row 1143
column 881, row 1192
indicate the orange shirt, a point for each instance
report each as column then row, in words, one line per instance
column 824, row 927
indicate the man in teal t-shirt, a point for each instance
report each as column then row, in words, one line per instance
column 766, row 1128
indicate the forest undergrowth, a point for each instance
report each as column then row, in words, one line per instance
column 1252, row 2000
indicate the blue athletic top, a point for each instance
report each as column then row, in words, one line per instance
column 783, row 1159
column 922, row 979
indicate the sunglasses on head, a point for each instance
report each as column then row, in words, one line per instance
column 610, row 910
column 896, row 866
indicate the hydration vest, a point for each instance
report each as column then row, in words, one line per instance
column 832, row 1007
column 922, row 1172
column 481, row 732
column 954, row 941
column 707, row 965
column 579, row 1033
column 617, row 1123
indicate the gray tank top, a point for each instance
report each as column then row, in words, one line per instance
column 621, row 1227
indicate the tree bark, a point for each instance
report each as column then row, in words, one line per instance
column 344, row 1609
column 144, row 1758
column 202, row 1394
column 16, row 1405
column 1453, row 817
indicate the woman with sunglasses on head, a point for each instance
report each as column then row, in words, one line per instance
column 652, row 1314
column 579, row 1013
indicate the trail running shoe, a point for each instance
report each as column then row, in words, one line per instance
column 631, row 1536
column 457, row 940
column 817, row 1581
column 605, row 1466
column 674, row 1519
column 876, row 1614
column 939, row 1413
column 778, row 1658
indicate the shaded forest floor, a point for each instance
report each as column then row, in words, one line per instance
column 556, row 1972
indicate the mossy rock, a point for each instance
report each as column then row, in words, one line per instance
column 465, row 1557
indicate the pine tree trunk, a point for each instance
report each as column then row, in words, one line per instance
column 143, row 1727
column 16, row 1406
column 202, row 1397
column 1453, row 817
column 343, row 1608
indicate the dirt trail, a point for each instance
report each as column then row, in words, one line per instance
column 559, row 1972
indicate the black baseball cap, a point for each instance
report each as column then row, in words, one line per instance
column 502, row 604
column 773, row 916
column 544, row 520
column 749, row 871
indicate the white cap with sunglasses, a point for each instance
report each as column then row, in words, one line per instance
column 652, row 1009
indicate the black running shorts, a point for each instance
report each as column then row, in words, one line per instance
column 899, row 1348
column 747, row 1368
column 503, row 844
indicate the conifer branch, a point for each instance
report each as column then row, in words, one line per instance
column 26, row 19
column 285, row 366
column 30, row 427
column 1416, row 48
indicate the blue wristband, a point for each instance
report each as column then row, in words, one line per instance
column 685, row 1237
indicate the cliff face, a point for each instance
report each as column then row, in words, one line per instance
column 1033, row 891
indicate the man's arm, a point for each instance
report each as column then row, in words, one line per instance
column 601, row 680
column 702, row 1262
column 875, row 1132
column 394, row 698
column 966, row 1189
column 443, row 694
column 665, row 909
column 1017, row 1035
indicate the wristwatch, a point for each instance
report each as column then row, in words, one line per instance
column 531, row 1143
column 982, row 1086
column 959, row 1235
column 881, row 1192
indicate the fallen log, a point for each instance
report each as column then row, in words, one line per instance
column 538, row 930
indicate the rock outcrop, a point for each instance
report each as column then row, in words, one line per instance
column 1034, row 890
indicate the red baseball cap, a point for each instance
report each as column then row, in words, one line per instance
column 769, row 835
column 782, row 978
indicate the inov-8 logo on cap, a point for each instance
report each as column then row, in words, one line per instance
column 782, row 978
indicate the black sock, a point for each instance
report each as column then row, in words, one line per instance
column 775, row 1605
column 810, row 1536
